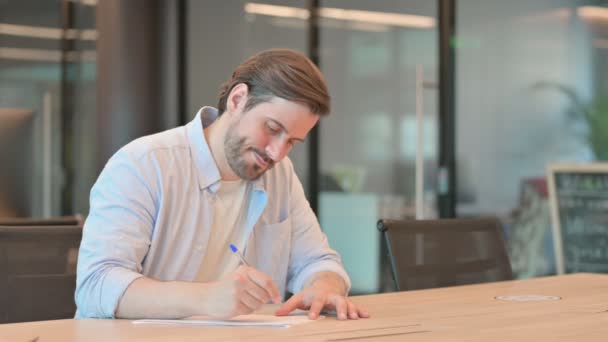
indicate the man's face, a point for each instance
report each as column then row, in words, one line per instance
column 261, row 137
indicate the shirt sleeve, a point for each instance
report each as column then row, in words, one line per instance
column 310, row 251
column 116, row 235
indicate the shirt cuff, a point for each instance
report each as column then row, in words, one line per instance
column 114, row 286
column 297, row 283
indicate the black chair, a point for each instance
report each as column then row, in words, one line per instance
column 446, row 252
column 38, row 272
column 76, row 220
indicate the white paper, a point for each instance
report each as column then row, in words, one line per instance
column 269, row 321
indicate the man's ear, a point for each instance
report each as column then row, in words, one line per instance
column 237, row 97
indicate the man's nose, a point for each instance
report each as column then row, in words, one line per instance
column 277, row 149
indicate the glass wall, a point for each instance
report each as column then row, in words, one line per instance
column 523, row 70
column 48, row 72
column 30, row 80
column 222, row 34
column 80, row 107
column 369, row 53
column 381, row 62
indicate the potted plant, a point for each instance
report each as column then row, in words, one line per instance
column 594, row 113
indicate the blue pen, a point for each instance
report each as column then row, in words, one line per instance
column 238, row 254
column 235, row 250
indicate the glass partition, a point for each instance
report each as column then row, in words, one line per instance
column 381, row 62
column 47, row 68
column 526, row 72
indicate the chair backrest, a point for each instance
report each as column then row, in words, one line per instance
column 76, row 220
column 38, row 272
column 445, row 252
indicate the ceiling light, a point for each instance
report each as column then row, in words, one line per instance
column 359, row 16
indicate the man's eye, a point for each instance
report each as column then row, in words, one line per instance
column 273, row 128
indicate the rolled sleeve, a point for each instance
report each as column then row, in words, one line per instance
column 110, row 287
column 116, row 236
column 300, row 279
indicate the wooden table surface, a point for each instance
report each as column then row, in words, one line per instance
column 463, row 313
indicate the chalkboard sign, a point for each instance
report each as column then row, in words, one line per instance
column 578, row 197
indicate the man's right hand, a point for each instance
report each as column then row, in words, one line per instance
column 241, row 292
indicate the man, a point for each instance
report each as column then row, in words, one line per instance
column 167, row 206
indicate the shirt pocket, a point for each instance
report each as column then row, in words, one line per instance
column 272, row 246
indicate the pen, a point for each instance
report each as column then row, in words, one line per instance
column 277, row 299
column 238, row 254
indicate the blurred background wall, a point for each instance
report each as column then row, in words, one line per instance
column 79, row 79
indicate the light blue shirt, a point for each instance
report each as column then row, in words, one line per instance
column 151, row 212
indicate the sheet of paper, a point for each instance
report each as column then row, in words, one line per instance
column 269, row 321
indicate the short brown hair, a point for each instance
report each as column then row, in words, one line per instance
column 282, row 73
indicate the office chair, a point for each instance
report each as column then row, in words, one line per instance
column 446, row 252
column 38, row 272
column 32, row 222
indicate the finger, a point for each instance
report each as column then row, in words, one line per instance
column 250, row 301
column 363, row 313
column 341, row 307
column 295, row 302
column 317, row 305
column 266, row 283
column 242, row 309
column 352, row 310
column 256, row 291
column 242, row 269
column 245, row 282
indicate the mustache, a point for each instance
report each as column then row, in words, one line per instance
column 264, row 156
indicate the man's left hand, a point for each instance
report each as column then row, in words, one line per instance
column 326, row 291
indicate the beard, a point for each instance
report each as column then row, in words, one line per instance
column 235, row 148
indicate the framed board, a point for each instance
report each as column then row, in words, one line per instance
column 578, row 197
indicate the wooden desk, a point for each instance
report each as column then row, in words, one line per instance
column 465, row 313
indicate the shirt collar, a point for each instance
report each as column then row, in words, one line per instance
column 208, row 172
